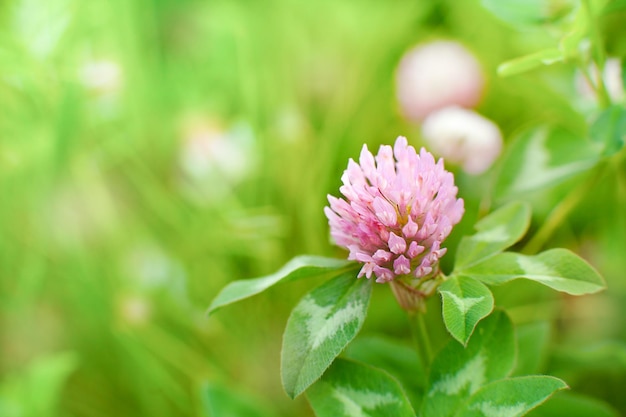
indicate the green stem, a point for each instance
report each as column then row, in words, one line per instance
column 559, row 214
column 598, row 56
column 421, row 338
column 617, row 163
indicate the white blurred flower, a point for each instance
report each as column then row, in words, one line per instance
column 209, row 150
column 151, row 268
column 101, row 76
column 611, row 76
column 134, row 310
column 40, row 25
column 437, row 75
column 80, row 211
column 463, row 137
column 290, row 125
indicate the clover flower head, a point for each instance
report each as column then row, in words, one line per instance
column 399, row 207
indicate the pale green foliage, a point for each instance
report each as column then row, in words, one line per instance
column 351, row 389
column 110, row 250
column 319, row 327
column 472, row 381
column 219, row 400
column 397, row 357
column 458, row 372
column 512, row 397
column 529, row 62
column 496, row 232
column 523, row 13
column 543, row 157
column 559, row 269
column 532, row 346
column 299, row 267
column 570, row 404
column 465, row 302
column 35, row 392
column 609, row 130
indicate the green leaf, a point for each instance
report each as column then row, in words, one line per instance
column 219, row 401
column 394, row 356
column 572, row 43
column 601, row 356
column 465, row 302
column 319, row 327
column 496, row 232
column 36, row 390
column 351, row 389
column 543, row 157
column 623, row 67
column 609, row 130
column 520, row 13
column 512, row 397
column 614, row 6
column 299, row 267
column 532, row 345
column 559, row 269
column 573, row 405
column 526, row 63
column 458, row 372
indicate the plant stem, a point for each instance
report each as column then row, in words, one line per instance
column 560, row 213
column 421, row 338
column 598, row 56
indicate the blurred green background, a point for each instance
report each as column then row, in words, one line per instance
column 152, row 151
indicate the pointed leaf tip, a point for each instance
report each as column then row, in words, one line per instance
column 466, row 301
column 559, row 269
column 320, row 327
column 299, row 267
column 351, row 389
column 511, row 397
column 496, row 232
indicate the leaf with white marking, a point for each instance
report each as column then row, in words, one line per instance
column 319, row 327
column 496, row 232
column 543, row 157
column 299, row 267
column 352, row 389
column 458, row 372
column 609, row 130
column 398, row 358
column 512, row 397
column 465, row 302
column 523, row 13
column 559, row 269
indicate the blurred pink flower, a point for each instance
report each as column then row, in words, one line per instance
column 211, row 150
column 463, row 137
column 400, row 206
column 437, row 75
